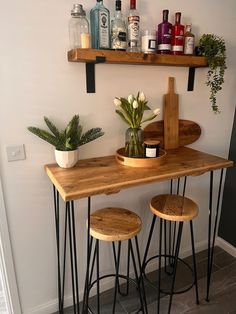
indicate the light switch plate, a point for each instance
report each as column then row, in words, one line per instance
column 15, row 153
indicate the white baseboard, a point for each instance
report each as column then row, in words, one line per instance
column 226, row 246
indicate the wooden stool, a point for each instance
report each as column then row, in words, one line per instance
column 177, row 209
column 116, row 224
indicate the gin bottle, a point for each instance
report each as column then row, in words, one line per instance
column 164, row 30
column 118, row 30
column 133, row 28
column 177, row 41
column 100, row 26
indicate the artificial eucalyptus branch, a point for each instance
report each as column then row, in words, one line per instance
column 213, row 47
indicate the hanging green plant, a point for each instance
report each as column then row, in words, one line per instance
column 213, row 47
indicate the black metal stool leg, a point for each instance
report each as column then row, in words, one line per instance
column 159, row 270
column 148, row 242
column 98, row 282
column 175, row 263
column 194, row 262
column 141, row 275
column 116, row 276
column 137, row 277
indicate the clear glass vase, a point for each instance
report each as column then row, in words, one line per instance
column 134, row 143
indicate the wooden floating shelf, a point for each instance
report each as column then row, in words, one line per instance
column 123, row 57
column 93, row 56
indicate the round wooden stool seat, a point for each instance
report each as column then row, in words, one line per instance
column 174, row 207
column 114, row 224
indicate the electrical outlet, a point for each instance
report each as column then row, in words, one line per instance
column 15, row 153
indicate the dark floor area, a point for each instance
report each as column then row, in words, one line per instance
column 222, row 290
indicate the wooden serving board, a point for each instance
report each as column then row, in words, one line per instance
column 171, row 117
column 189, row 132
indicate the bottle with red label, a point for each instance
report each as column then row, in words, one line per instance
column 164, row 30
column 177, row 40
column 133, row 28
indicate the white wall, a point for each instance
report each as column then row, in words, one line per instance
column 37, row 80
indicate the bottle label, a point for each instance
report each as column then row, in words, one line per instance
column 164, row 47
column 177, row 48
column 119, row 40
column 103, row 29
column 189, row 45
column 133, row 27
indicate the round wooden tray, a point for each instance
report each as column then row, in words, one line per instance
column 140, row 162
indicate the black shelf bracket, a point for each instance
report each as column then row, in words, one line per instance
column 90, row 73
column 191, row 76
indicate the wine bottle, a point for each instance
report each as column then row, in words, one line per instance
column 164, row 30
column 133, row 28
column 100, row 26
column 118, row 30
column 177, row 41
column 189, row 39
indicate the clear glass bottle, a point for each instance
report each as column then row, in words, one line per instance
column 177, row 40
column 100, row 26
column 133, row 28
column 164, row 31
column 118, row 30
column 189, row 40
column 79, row 28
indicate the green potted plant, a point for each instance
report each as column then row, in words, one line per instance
column 213, row 47
column 66, row 142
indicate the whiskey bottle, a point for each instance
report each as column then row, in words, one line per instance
column 177, row 41
column 163, row 34
column 100, row 26
column 133, row 28
column 189, row 39
column 118, row 30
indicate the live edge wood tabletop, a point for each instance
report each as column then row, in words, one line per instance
column 103, row 175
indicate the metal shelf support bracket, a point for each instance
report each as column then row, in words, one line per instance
column 90, row 73
column 191, row 76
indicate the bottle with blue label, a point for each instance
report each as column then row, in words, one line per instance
column 100, row 26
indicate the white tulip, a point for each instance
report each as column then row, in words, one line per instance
column 130, row 98
column 117, row 102
column 142, row 97
column 135, row 104
column 156, row 111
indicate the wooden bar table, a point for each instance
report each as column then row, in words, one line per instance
column 103, row 175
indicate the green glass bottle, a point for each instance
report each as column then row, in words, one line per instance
column 100, row 26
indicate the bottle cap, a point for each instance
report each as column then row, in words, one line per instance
column 118, row 5
column 77, row 10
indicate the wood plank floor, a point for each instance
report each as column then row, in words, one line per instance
column 222, row 292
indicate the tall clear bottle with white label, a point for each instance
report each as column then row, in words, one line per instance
column 118, row 30
column 133, row 28
column 100, row 26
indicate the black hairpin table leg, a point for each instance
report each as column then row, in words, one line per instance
column 211, row 238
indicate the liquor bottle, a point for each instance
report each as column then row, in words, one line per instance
column 118, row 30
column 177, row 40
column 189, row 40
column 100, row 26
column 79, row 28
column 133, row 28
column 163, row 34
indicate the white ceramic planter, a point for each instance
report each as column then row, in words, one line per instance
column 66, row 159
